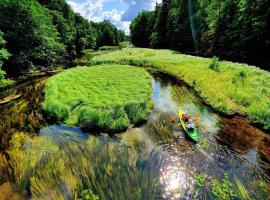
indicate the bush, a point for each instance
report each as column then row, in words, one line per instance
column 215, row 64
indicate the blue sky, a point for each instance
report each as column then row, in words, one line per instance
column 119, row 12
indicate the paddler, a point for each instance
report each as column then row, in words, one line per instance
column 186, row 117
column 188, row 120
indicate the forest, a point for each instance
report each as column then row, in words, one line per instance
column 230, row 29
column 38, row 34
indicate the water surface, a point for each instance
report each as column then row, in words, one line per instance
column 153, row 161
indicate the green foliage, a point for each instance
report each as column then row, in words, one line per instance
column 34, row 39
column 49, row 32
column 106, row 98
column 200, row 179
column 4, row 54
column 107, row 34
column 215, row 64
column 141, row 29
column 138, row 193
column 262, row 192
column 224, row 190
column 87, row 195
column 242, row 191
column 217, row 89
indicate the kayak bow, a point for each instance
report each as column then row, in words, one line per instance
column 193, row 135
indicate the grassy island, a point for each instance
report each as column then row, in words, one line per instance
column 228, row 87
column 104, row 98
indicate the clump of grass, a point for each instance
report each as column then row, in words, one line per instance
column 87, row 195
column 220, row 90
column 239, row 77
column 215, row 64
column 106, row 98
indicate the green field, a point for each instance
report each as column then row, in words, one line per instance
column 103, row 98
column 227, row 87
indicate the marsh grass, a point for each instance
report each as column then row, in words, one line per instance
column 106, row 98
column 229, row 88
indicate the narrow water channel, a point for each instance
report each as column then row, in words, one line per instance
column 153, row 161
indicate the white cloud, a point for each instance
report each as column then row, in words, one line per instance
column 94, row 10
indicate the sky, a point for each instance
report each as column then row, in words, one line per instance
column 119, row 12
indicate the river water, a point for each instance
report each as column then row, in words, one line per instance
column 40, row 160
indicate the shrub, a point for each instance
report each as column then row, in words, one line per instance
column 215, row 64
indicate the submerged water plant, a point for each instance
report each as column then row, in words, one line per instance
column 200, row 179
column 222, row 190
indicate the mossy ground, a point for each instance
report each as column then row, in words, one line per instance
column 229, row 87
column 103, row 98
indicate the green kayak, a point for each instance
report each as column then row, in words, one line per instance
column 193, row 135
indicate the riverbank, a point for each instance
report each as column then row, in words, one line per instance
column 227, row 87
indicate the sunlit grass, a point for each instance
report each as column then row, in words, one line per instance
column 233, row 88
column 106, row 98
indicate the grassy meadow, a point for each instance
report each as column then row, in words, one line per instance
column 106, row 98
column 228, row 87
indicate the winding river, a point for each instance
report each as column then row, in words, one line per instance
column 152, row 161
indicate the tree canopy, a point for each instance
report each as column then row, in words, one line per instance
column 230, row 29
column 45, row 32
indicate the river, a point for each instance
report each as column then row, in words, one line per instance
column 42, row 160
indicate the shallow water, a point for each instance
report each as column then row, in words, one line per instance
column 154, row 161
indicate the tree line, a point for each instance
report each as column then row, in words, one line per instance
column 230, row 29
column 41, row 33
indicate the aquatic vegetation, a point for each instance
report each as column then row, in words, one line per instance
column 25, row 153
column 138, row 193
column 242, row 191
column 222, row 190
column 106, row 98
column 203, row 142
column 200, row 179
column 87, row 195
column 262, row 192
column 50, row 172
column 219, row 90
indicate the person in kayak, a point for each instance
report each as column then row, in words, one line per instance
column 186, row 117
column 189, row 123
